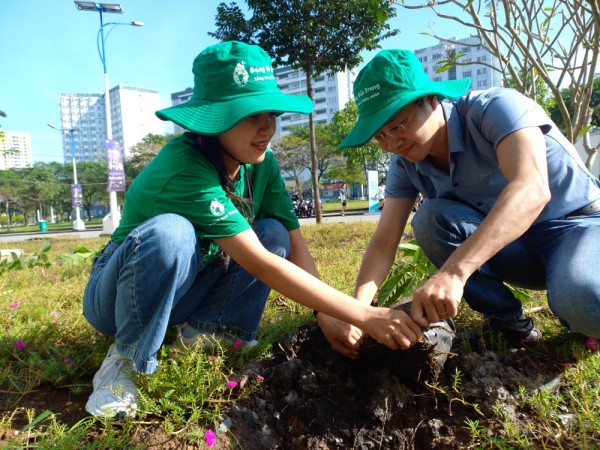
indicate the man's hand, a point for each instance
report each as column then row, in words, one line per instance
column 343, row 337
column 437, row 299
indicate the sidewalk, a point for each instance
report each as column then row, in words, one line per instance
column 351, row 216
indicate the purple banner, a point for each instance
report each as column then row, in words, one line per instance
column 116, row 173
column 76, row 196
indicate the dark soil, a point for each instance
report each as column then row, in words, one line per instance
column 314, row 398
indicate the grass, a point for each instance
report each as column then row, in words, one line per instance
column 47, row 343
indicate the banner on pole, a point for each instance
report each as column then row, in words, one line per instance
column 372, row 183
column 76, row 196
column 116, row 173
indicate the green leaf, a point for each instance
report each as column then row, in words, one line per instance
column 37, row 420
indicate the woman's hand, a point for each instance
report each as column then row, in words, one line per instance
column 343, row 337
column 392, row 328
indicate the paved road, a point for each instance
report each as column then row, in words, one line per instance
column 95, row 232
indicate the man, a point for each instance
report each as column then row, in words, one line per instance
column 507, row 200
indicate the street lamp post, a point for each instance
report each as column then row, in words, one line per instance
column 78, row 224
column 111, row 221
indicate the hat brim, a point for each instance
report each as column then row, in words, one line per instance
column 212, row 118
column 367, row 126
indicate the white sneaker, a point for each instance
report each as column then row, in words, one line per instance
column 115, row 394
column 187, row 337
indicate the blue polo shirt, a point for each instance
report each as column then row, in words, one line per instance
column 476, row 123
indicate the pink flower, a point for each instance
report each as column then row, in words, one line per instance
column 237, row 344
column 260, row 378
column 68, row 362
column 592, row 344
column 231, row 384
column 14, row 305
column 19, row 345
column 13, row 275
column 210, row 437
column 59, row 263
column 212, row 358
column 568, row 364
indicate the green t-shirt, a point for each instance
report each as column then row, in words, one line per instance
column 180, row 180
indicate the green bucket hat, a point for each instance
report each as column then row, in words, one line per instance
column 232, row 80
column 392, row 80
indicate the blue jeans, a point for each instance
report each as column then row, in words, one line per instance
column 158, row 278
column 559, row 255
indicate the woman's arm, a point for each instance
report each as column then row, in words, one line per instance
column 392, row 328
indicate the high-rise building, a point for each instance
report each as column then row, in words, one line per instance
column 178, row 98
column 331, row 92
column 15, row 150
column 475, row 63
column 132, row 118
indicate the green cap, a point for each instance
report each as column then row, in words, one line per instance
column 392, row 80
column 232, row 80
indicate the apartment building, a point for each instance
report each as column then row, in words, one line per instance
column 176, row 99
column 132, row 118
column 475, row 63
column 331, row 92
column 15, row 150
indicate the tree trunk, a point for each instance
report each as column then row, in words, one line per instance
column 314, row 163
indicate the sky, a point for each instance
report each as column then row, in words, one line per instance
column 48, row 47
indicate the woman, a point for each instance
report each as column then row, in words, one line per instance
column 207, row 230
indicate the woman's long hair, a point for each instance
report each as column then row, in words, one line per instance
column 211, row 148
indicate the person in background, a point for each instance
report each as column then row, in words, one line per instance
column 381, row 194
column 207, row 230
column 508, row 200
column 342, row 198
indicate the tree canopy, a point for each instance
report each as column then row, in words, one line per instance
column 312, row 35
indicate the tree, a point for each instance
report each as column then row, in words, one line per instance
column 40, row 187
column 92, row 176
column 10, row 185
column 313, row 35
column 291, row 153
column 365, row 158
column 566, row 94
column 557, row 41
column 143, row 152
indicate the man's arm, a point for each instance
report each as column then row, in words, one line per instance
column 382, row 248
column 522, row 160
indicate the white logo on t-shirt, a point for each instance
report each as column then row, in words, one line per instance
column 216, row 208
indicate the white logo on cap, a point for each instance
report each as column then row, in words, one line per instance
column 216, row 208
column 240, row 74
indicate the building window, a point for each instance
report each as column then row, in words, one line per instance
column 423, row 59
column 467, row 73
column 481, row 71
column 437, row 78
column 482, row 83
column 321, row 111
column 437, row 55
column 466, row 49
